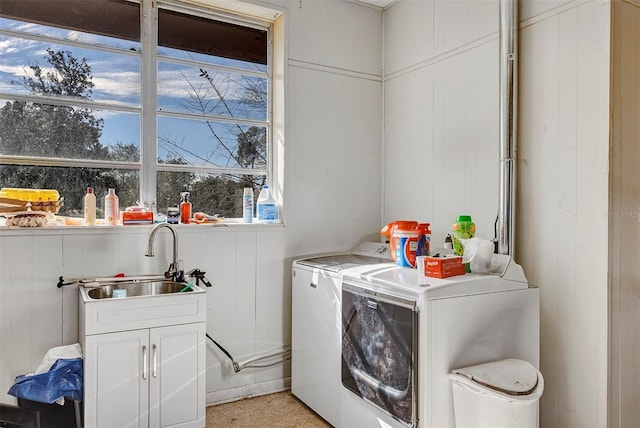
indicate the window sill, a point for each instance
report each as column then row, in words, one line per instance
column 109, row 229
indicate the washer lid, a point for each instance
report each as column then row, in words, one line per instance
column 511, row 376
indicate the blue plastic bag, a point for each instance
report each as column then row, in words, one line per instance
column 64, row 379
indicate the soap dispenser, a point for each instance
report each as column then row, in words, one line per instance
column 185, row 208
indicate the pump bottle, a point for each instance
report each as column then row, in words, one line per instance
column 185, row 208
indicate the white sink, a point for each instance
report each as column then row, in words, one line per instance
column 148, row 304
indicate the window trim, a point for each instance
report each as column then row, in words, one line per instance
column 148, row 105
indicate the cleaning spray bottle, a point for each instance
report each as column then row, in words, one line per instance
column 185, row 208
column 247, row 205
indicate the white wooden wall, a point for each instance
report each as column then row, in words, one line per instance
column 564, row 177
column 441, row 159
column 441, row 113
column 246, row 306
column 332, row 175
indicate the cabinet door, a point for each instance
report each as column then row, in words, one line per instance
column 315, row 342
column 177, row 376
column 116, row 391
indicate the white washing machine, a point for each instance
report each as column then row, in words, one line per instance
column 317, row 324
column 400, row 339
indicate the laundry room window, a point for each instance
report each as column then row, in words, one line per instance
column 151, row 98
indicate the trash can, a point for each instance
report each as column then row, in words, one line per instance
column 502, row 393
column 15, row 417
column 54, row 415
column 57, row 380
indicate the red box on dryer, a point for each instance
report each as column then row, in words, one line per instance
column 443, row 267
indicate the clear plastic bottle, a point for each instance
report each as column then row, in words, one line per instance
column 267, row 206
column 185, row 208
column 90, row 207
column 111, row 207
column 247, row 205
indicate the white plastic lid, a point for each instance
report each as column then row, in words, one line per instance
column 511, row 376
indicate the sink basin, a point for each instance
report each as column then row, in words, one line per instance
column 137, row 288
column 150, row 302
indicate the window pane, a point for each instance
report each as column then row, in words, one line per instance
column 208, row 143
column 120, row 135
column 119, row 19
column 191, row 89
column 72, row 183
column 166, row 53
column 211, row 38
column 36, row 68
column 44, row 130
column 209, row 193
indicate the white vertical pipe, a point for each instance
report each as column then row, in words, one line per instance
column 508, row 124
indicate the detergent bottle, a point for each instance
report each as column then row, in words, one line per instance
column 267, row 207
column 406, row 235
column 463, row 228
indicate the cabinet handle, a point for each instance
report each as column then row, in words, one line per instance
column 155, row 360
column 144, row 362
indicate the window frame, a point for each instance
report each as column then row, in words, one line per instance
column 148, row 166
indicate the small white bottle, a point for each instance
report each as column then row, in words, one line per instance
column 90, row 207
column 111, row 207
column 267, row 206
column 247, row 205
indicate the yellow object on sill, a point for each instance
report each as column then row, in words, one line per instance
column 16, row 199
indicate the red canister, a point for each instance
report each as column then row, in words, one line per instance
column 389, row 229
column 406, row 239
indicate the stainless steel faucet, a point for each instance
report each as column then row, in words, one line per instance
column 173, row 267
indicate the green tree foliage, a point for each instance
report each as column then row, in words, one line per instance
column 171, row 184
column 44, row 130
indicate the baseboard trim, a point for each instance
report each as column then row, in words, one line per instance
column 248, row 391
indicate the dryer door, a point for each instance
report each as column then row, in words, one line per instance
column 379, row 350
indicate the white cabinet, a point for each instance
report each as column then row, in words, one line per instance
column 316, row 342
column 152, row 375
column 148, row 377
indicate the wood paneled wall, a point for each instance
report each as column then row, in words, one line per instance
column 247, row 306
column 441, row 114
column 441, row 159
column 624, row 214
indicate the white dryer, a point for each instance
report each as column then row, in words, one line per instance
column 317, row 324
column 401, row 339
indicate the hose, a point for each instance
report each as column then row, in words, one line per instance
column 254, row 362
